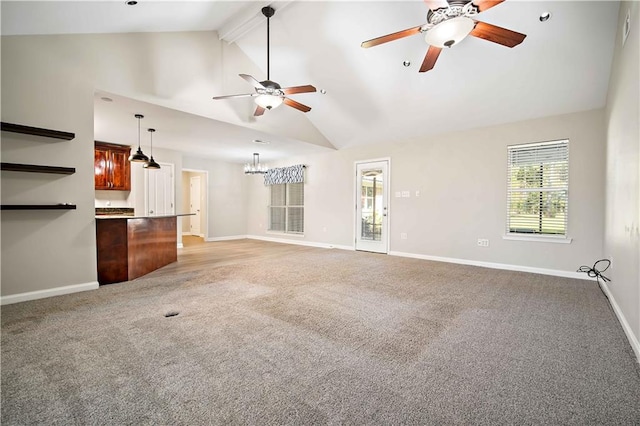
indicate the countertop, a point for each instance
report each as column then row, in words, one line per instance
column 103, row 217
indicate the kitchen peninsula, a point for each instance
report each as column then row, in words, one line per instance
column 132, row 246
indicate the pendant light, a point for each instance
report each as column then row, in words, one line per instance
column 151, row 164
column 139, row 156
column 255, row 168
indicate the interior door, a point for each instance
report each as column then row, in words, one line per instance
column 194, row 203
column 372, row 211
column 160, row 190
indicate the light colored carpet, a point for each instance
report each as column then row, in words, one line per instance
column 315, row 336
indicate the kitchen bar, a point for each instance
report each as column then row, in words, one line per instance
column 132, row 246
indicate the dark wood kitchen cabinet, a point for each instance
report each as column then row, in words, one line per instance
column 111, row 167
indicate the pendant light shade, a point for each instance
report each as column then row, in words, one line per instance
column 151, row 163
column 139, row 156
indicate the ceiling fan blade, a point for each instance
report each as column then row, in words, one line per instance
column 296, row 105
column 486, row 4
column 430, row 58
column 259, row 111
column 235, row 96
column 436, row 4
column 391, row 37
column 252, row 81
column 298, row 89
column 496, row 34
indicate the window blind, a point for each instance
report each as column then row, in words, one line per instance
column 537, row 188
column 286, row 210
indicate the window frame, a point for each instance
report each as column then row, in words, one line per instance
column 540, row 235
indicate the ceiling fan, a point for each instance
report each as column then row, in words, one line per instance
column 450, row 21
column 270, row 94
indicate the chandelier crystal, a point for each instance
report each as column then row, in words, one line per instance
column 255, row 167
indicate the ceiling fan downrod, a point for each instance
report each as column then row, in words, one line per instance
column 268, row 11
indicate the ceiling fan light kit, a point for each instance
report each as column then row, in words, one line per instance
column 449, row 32
column 448, row 23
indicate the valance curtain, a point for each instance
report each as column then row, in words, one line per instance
column 280, row 175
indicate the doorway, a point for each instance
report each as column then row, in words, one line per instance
column 372, row 201
column 194, row 200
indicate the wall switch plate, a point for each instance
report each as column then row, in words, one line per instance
column 406, row 194
column 417, row 193
column 398, row 194
column 403, row 236
column 483, row 242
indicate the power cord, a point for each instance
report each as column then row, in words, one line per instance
column 596, row 272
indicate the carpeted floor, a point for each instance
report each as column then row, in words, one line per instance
column 315, row 336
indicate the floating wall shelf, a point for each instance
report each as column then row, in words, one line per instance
column 38, row 207
column 33, row 168
column 37, row 131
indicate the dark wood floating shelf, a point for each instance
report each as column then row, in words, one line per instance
column 37, row 207
column 33, row 168
column 37, row 131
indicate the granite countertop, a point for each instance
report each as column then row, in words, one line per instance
column 120, row 216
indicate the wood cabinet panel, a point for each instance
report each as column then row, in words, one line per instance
column 112, row 170
column 129, row 248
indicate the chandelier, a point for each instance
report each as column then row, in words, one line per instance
column 255, row 168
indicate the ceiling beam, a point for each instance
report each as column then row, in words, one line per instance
column 248, row 19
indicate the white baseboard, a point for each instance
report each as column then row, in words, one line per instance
column 186, row 233
column 633, row 340
column 507, row 267
column 299, row 242
column 228, row 238
column 41, row 294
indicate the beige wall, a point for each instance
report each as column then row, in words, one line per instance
column 622, row 230
column 462, row 182
column 226, row 197
column 44, row 250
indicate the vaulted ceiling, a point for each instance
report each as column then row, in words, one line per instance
column 371, row 96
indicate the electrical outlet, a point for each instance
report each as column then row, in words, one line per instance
column 483, row 242
column 417, row 193
column 403, row 236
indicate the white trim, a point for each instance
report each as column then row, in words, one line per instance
column 41, row 294
column 284, row 234
column 505, row 266
column 180, row 245
column 538, row 238
column 228, row 238
column 186, row 234
column 633, row 340
column 299, row 243
column 205, row 217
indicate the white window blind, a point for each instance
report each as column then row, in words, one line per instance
column 538, row 188
column 286, row 211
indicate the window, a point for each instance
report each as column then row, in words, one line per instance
column 286, row 211
column 537, row 188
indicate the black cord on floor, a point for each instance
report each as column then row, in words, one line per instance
column 596, row 272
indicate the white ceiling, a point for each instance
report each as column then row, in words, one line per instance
column 562, row 66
